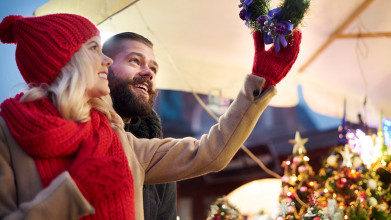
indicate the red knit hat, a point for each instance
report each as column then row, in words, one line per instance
column 45, row 44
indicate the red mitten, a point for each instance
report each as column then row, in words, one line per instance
column 271, row 65
column 98, row 177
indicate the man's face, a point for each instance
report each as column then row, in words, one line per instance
column 132, row 79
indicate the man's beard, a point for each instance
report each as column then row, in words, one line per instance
column 125, row 102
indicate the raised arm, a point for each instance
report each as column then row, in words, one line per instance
column 177, row 159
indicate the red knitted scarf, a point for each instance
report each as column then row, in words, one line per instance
column 53, row 141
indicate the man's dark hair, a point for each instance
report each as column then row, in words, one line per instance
column 112, row 45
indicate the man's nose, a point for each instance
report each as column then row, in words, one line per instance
column 146, row 72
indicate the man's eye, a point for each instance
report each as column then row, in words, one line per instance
column 136, row 61
column 153, row 69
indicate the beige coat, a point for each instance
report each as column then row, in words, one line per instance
column 151, row 161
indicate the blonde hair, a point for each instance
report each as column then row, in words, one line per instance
column 68, row 89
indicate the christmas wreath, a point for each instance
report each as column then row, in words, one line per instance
column 274, row 24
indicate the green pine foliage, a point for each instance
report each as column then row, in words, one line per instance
column 258, row 8
column 294, row 11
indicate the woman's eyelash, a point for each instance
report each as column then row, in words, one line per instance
column 95, row 47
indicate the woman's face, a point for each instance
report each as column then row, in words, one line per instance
column 100, row 64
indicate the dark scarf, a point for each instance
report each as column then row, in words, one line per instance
column 148, row 127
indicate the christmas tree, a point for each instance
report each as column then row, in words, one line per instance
column 298, row 181
column 353, row 183
column 222, row 209
column 350, row 183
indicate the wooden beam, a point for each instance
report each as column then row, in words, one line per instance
column 337, row 32
column 364, row 35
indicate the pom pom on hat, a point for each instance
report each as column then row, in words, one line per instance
column 45, row 44
column 6, row 32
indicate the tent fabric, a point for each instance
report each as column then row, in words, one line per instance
column 96, row 10
column 204, row 45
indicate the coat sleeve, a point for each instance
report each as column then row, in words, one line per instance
column 177, row 159
column 26, row 199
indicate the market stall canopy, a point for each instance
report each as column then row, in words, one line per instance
column 204, row 46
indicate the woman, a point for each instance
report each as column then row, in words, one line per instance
column 63, row 151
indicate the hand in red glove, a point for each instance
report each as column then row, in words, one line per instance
column 271, row 65
column 98, row 177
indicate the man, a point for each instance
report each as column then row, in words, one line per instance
column 133, row 90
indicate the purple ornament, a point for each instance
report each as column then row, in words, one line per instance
column 280, row 28
column 261, row 20
column 242, row 14
column 248, row 2
column 245, row 14
column 274, row 29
